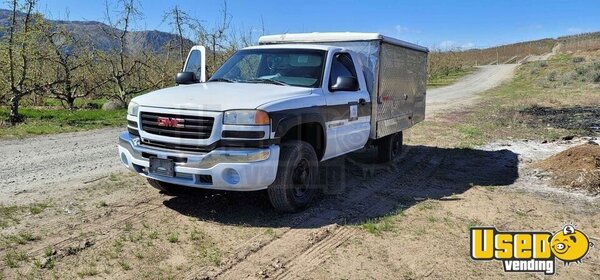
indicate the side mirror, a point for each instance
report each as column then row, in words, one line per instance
column 345, row 84
column 186, row 78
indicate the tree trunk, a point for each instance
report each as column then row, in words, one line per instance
column 70, row 103
column 14, row 116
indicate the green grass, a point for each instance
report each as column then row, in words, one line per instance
column 79, row 103
column 210, row 253
column 196, row 235
column 38, row 208
column 451, row 78
column 50, row 121
column 172, row 238
column 380, row 225
column 153, row 235
column 87, row 271
column 9, row 215
column 13, row 259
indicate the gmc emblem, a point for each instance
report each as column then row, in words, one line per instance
column 170, row 122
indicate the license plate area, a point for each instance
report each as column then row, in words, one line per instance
column 162, row 167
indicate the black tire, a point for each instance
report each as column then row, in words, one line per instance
column 166, row 187
column 389, row 147
column 297, row 177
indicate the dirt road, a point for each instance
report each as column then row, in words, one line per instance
column 47, row 166
column 464, row 92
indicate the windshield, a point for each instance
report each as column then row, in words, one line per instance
column 293, row 67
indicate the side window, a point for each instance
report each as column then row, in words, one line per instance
column 342, row 66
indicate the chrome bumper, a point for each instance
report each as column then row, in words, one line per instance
column 256, row 167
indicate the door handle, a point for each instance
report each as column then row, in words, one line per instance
column 362, row 101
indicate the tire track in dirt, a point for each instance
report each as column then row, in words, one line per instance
column 305, row 246
column 316, row 255
column 261, row 240
column 101, row 228
column 386, row 201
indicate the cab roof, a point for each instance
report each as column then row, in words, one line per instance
column 294, row 46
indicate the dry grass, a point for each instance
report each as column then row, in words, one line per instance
column 581, row 42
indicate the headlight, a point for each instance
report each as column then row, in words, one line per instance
column 132, row 109
column 246, row 117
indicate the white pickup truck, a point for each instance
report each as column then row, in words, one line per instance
column 272, row 112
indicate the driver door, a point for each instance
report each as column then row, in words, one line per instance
column 348, row 111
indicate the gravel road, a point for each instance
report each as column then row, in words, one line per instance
column 464, row 91
column 45, row 166
column 49, row 166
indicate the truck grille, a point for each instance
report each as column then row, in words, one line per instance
column 179, row 126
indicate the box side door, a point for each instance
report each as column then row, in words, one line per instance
column 401, row 88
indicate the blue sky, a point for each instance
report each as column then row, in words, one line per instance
column 431, row 23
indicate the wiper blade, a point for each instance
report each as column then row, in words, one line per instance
column 221, row 80
column 268, row 81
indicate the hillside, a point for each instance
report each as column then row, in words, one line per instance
column 446, row 67
column 512, row 53
column 97, row 33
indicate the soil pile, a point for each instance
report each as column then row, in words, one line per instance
column 577, row 167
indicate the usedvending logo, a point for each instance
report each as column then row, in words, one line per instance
column 529, row 251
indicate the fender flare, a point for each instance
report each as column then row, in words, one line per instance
column 283, row 121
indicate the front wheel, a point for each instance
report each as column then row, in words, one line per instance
column 297, row 177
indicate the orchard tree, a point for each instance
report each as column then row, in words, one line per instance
column 216, row 41
column 180, row 21
column 22, row 34
column 72, row 60
column 127, row 69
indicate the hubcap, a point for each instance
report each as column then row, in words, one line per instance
column 301, row 178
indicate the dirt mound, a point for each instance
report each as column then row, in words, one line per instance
column 577, row 167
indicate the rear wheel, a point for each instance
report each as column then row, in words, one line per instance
column 297, row 177
column 389, row 147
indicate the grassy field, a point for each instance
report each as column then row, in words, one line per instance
column 451, row 78
column 50, row 121
column 546, row 100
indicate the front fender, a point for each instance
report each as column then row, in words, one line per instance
column 283, row 121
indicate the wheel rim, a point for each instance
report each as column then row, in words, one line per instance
column 301, row 178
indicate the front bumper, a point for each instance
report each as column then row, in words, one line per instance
column 236, row 169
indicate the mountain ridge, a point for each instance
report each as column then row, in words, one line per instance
column 154, row 40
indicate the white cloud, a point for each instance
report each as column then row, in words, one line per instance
column 467, row 46
column 532, row 27
column 453, row 45
column 448, row 44
column 404, row 29
column 575, row 30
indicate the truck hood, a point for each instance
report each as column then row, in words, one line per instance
column 218, row 96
